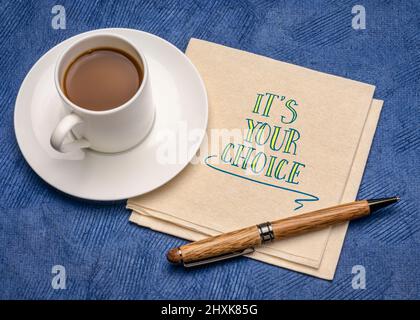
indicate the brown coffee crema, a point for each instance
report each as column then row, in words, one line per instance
column 102, row 79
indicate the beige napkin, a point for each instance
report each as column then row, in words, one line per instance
column 332, row 251
column 320, row 117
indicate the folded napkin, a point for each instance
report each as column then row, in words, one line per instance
column 282, row 140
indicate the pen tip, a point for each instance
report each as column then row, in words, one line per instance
column 376, row 204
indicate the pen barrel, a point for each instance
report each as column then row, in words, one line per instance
column 240, row 240
column 225, row 243
column 319, row 219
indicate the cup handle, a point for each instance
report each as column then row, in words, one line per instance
column 60, row 132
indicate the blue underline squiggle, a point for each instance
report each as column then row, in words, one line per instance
column 298, row 201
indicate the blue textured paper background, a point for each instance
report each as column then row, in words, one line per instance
column 107, row 257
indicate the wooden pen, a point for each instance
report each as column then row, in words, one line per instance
column 243, row 241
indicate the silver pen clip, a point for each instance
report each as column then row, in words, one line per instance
column 219, row 258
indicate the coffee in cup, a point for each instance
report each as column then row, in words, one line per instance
column 102, row 79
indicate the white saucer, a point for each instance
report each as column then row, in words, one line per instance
column 180, row 99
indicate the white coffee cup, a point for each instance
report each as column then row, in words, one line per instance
column 113, row 130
